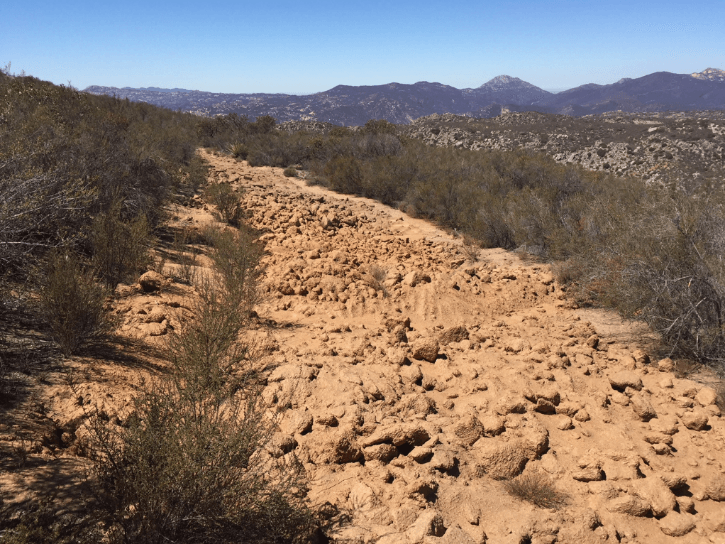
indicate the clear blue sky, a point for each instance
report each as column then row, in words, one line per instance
column 309, row 46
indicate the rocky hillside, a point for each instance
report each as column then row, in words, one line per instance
column 402, row 103
column 658, row 147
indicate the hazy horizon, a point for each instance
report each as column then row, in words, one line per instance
column 291, row 48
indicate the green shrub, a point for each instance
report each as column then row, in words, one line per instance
column 290, row 172
column 72, row 303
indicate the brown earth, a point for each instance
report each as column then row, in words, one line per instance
column 417, row 379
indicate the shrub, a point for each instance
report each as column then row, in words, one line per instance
column 120, row 248
column 228, row 202
column 72, row 303
column 195, row 464
column 536, row 488
column 290, row 172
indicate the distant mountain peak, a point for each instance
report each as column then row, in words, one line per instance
column 711, row 74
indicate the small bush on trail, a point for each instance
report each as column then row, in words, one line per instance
column 536, row 488
column 290, row 172
column 227, row 201
column 72, row 302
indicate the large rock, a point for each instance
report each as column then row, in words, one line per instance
column 380, row 452
column 654, row 490
column 468, row 429
column 404, row 434
column 151, row 281
column 642, row 407
column 715, row 489
column 414, row 278
column 429, row 523
column 336, row 447
column 453, row 334
column 426, row 350
column 696, row 420
column 674, row 524
column 625, row 378
column 631, row 505
column 706, row 396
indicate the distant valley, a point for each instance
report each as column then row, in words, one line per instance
column 403, row 103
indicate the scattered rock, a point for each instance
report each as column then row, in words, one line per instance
column 625, row 378
column 426, row 350
column 674, row 524
column 696, row 420
column 151, row 281
column 453, row 334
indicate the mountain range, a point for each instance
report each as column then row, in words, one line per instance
column 402, row 103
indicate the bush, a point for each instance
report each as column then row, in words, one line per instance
column 228, row 202
column 536, row 488
column 290, row 172
column 120, row 248
column 195, row 464
column 72, row 303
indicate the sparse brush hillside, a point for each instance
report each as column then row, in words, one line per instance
column 651, row 251
column 67, row 156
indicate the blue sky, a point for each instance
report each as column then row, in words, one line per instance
column 309, row 46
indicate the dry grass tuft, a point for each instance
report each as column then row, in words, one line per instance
column 536, row 488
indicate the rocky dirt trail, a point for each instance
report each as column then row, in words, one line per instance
column 417, row 381
column 413, row 382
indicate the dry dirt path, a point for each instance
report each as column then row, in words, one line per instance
column 417, row 381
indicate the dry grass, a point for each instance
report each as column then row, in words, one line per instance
column 536, row 488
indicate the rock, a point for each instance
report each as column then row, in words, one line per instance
column 582, row 416
column 630, row 505
column 589, row 474
column 297, row 422
column 642, row 407
column 380, row 452
column 501, row 460
column 292, row 372
column 453, row 334
column 658, row 438
column 281, row 444
column 696, row 420
column 674, row 524
column 405, row 434
column 510, row 405
column 666, row 365
column 715, row 489
column 468, row 429
column 411, row 374
column 493, row 425
column 443, row 460
column 327, row 420
column 337, row 447
column 715, row 522
column 420, row 454
column 641, row 357
column 563, row 423
column 686, row 504
column 456, row 535
column 625, row 378
column 593, row 341
column 429, row 523
column 423, row 487
column 706, row 396
column 151, row 281
column 543, row 406
column 666, row 425
column 673, row 480
column 156, row 315
column 416, row 277
column 654, row 490
column 426, row 350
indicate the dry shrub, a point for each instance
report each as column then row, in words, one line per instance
column 471, row 248
column 194, row 464
column 120, row 247
column 290, row 172
column 536, row 488
column 72, row 302
column 227, row 201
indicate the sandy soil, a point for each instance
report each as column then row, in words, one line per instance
column 417, row 380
